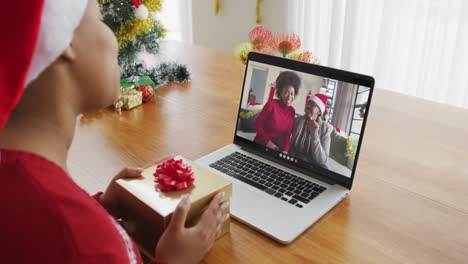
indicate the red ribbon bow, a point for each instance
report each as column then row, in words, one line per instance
column 173, row 175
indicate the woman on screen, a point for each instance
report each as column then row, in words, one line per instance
column 275, row 121
column 310, row 140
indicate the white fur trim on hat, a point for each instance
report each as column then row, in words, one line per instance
column 319, row 103
column 59, row 20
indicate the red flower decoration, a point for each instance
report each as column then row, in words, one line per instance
column 285, row 43
column 259, row 37
column 173, row 175
column 305, row 56
column 267, row 50
column 314, row 60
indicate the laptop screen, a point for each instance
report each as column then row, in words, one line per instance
column 310, row 120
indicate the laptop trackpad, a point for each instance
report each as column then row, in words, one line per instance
column 245, row 201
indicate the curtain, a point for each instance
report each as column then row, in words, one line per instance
column 415, row 47
column 343, row 107
column 176, row 16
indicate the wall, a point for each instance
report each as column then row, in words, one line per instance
column 234, row 21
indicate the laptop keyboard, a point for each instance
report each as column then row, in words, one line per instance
column 276, row 182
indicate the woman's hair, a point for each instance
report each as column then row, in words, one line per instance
column 285, row 79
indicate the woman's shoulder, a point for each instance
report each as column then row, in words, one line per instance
column 29, row 165
column 38, row 178
column 274, row 102
column 41, row 182
column 39, row 216
column 270, row 104
column 54, row 206
column 300, row 119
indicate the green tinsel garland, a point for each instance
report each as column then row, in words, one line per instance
column 162, row 74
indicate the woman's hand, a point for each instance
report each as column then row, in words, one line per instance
column 272, row 145
column 313, row 127
column 313, row 124
column 109, row 199
column 189, row 245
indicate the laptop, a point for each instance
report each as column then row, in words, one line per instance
column 278, row 191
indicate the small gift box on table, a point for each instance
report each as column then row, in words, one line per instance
column 129, row 98
column 147, row 206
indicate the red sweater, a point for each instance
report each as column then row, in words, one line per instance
column 47, row 218
column 275, row 123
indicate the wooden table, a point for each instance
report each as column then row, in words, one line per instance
column 409, row 203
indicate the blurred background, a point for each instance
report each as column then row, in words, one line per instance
column 416, row 47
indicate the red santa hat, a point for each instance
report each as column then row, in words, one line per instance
column 321, row 101
column 35, row 32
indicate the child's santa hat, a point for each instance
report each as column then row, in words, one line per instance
column 34, row 34
column 321, row 101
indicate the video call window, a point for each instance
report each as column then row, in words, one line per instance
column 311, row 118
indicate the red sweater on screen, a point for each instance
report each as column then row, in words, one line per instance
column 47, row 218
column 275, row 123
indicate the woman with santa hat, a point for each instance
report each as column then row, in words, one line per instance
column 58, row 60
column 310, row 139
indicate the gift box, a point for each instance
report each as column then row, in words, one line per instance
column 147, row 210
column 129, row 98
column 137, row 81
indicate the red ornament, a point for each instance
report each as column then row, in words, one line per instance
column 136, row 3
column 147, row 92
column 173, row 175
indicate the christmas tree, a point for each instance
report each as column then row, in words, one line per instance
column 137, row 29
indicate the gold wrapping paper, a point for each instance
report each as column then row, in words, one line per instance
column 147, row 211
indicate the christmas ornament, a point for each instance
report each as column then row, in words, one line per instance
column 133, row 27
column 217, row 7
column 141, row 12
column 173, row 175
column 258, row 15
column 147, row 91
column 258, row 6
